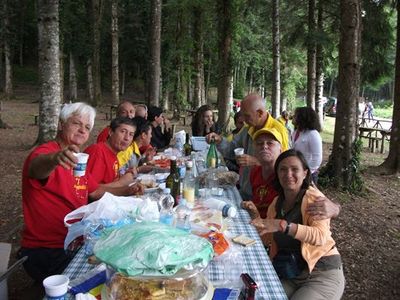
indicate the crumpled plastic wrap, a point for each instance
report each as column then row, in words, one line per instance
column 152, row 249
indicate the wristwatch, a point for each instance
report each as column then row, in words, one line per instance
column 287, row 228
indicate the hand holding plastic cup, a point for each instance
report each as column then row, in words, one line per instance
column 80, row 167
column 239, row 151
column 56, row 287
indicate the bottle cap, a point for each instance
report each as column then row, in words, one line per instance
column 172, row 158
column 189, row 164
column 229, row 211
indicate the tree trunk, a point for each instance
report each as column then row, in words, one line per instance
column 276, row 73
column 199, row 89
column 8, row 86
column 1, row 65
column 61, row 76
column 225, row 59
column 90, row 87
column 73, row 85
column 114, row 63
column 341, row 160
column 49, row 69
column 319, row 91
column 208, row 99
column 155, row 50
column 97, row 12
column 22, row 4
column 391, row 165
column 311, row 50
column 123, row 75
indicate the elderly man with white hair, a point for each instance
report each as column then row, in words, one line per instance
column 50, row 191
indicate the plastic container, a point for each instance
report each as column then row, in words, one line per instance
column 227, row 209
column 182, row 216
column 184, row 285
column 166, row 207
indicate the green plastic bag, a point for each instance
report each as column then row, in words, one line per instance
column 152, row 249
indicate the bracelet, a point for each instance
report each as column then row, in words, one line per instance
column 287, row 228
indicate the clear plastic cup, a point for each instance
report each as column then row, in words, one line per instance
column 80, row 167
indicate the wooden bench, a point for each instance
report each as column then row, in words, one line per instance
column 374, row 137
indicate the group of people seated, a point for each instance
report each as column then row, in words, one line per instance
column 277, row 185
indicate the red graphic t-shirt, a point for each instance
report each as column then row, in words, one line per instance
column 103, row 135
column 103, row 163
column 46, row 202
column 263, row 191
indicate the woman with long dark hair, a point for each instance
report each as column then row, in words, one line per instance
column 302, row 249
column 306, row 138
column 203, row 121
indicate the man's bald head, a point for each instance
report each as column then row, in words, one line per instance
column 254, row 111
column 126, row 109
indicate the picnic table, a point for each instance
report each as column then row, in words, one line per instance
column 255, row 260
column 376, row 134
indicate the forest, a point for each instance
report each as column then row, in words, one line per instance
column 181, row 54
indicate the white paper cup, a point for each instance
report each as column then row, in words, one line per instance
column 239, row 151
column 56, row 287
column 80, row 168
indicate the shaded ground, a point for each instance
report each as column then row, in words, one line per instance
column 367, row 230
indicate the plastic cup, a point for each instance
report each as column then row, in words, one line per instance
column 80, row 168
column 239, row 151
column 56, row 287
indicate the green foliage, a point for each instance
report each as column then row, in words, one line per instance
column 26, row 75
column 378, row 43
column 327, row 177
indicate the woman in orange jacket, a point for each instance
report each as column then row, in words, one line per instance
column 302, row 249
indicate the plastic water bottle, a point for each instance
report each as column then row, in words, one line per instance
column 226, row 209
column 182, row 214
column 166, row 204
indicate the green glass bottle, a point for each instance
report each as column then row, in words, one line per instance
column 187, row 148
column 212, row 156
column 173, row 181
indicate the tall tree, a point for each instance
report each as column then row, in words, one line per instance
column 391, row 165
column 114, row 63
column 225, row 73
column 97, row 13
column 155, row 50
column 276, row 71
column 341, row 163
column 319, row 90
column 311, row 53
column 199, row 97
column 49, row 69
column 8, row 86
column 73, row 84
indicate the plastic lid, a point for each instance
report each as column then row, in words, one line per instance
column 166, row 190
column 229, row 211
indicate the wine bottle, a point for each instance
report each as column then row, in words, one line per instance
column 173, row 181
column 212, row 155
column 187, row 148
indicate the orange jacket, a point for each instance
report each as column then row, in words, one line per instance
column 315, row 236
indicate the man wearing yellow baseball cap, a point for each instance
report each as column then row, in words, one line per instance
column 267, row 148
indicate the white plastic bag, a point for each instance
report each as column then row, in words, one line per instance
column 109, row 211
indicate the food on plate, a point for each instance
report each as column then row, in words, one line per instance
column 162, row 162
column 149, row 184
column 129, row 288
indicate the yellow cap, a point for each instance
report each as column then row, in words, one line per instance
column 272, row 131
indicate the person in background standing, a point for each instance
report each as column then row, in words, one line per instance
column 370, row 111
column 306, row 138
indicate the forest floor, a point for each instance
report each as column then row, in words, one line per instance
column 367, row 230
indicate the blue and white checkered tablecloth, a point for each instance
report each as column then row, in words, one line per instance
column 255, row 260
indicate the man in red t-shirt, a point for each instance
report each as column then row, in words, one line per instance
column 267, row 144
column 124, row 109
column 103, row 162
column 50, row 191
